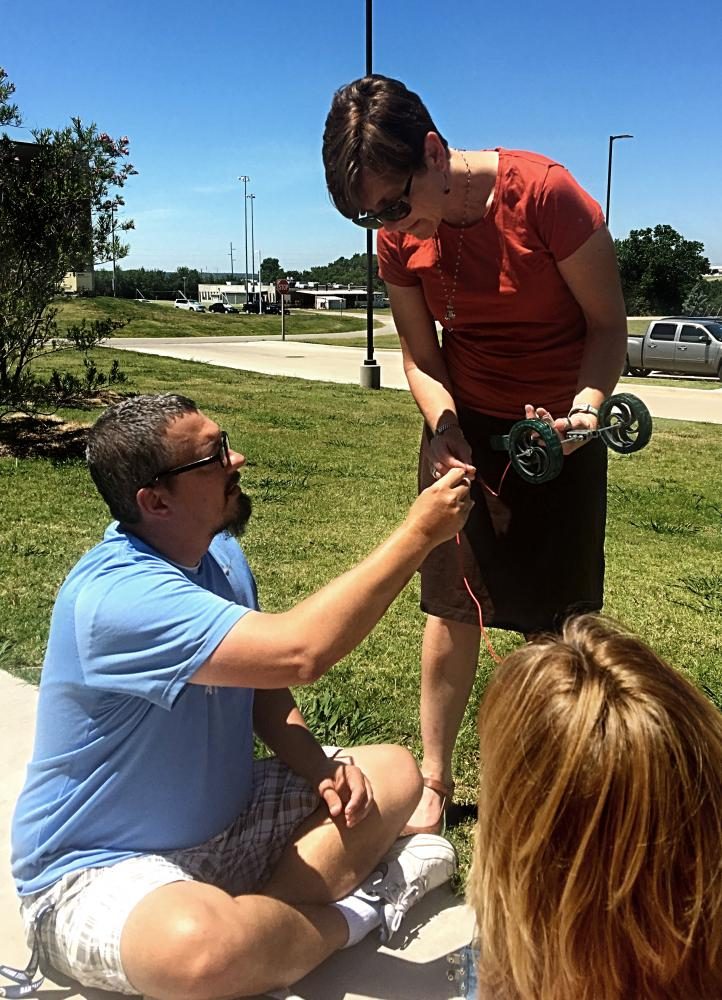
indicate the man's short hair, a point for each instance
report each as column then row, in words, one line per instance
column 375, row 124
column 127, row 448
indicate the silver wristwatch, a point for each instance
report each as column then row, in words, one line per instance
column 584, row 408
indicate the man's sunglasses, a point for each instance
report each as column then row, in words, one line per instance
column 394, row 212
column 223, row 455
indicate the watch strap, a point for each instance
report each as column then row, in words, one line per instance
column 444, row 426
column 584, row 408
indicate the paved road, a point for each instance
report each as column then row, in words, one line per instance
column 297, row 359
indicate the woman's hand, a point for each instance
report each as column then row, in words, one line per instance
column 578, row 421
column 450, row 450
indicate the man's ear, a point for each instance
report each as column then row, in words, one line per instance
column 153, row 501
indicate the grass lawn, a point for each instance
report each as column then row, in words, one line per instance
column 155, row 319
column 331, row 470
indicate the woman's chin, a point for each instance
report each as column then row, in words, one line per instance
column 422, row 229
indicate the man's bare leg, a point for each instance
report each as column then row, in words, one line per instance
column 189, row 941
column 449, row 658
column 325, row 860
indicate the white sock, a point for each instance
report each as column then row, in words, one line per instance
column 361, row 914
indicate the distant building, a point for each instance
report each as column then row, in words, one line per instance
column 314, row 295
column 715, row 273
column 78, row 283
column 235, row 294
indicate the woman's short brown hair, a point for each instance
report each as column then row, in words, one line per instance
column 597, row 871
column 375, row 124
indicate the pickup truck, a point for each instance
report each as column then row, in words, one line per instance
column 689, row 345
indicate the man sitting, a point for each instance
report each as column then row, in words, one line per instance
column 151, row 852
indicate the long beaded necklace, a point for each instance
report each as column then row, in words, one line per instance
column 450, row 296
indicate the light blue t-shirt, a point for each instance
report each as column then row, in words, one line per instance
column 129, row 757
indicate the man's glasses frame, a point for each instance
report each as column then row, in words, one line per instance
column 223, row 455
column 394, row 212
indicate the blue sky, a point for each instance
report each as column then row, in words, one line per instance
column 209, row 92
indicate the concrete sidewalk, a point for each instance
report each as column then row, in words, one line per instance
column 413, row 968
column 328, row 363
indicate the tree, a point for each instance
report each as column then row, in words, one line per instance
column 696, row 302
column 658, row 267
column 58, row 198
column 271, row 270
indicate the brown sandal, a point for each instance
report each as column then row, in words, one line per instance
column 445, row 793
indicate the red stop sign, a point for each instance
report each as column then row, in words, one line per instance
column 282, row 286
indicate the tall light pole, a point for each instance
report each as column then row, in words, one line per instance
column 245, row 180
column 252, row 198
column 370, row 369
column 609, row 170
column 112, row 240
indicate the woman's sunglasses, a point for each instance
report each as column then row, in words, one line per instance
column 394, row 212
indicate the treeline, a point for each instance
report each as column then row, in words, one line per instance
column 663, row 274
column 153, row 283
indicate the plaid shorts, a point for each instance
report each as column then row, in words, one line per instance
column 80, row 934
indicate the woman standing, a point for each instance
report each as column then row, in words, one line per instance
column 512, row 258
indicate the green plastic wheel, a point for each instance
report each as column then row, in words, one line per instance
column 535, row 451
column 626, row 421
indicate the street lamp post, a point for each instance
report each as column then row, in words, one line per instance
column 112, row 241
column 609, row 170
column 370, row 369
column 245, row 179
column 252, row 198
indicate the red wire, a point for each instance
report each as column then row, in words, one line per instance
column 501, row 481
column 492, row 652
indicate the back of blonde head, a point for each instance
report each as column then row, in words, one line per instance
column 597, row 871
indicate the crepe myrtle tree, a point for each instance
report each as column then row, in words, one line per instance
column 59, row 196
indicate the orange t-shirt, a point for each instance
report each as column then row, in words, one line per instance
column 519, row 332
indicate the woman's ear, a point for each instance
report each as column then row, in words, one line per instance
column 436, row 154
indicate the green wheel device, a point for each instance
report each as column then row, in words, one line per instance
column 535, row 449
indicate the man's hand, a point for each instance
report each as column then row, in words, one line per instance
column 577, row 422
column 345, row 789
column 440, row 511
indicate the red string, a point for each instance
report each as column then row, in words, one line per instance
column 501, row 481
column 492, row 652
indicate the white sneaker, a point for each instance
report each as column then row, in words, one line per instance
column 411, row 868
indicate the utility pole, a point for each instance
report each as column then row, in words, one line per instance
column 259, row 279
column 252, row 198
column 245, row 178
column 231, row 256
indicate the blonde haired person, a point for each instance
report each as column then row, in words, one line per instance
column 597, row 871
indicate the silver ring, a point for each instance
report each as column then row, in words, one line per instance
column 466, row 481
column 435, row 472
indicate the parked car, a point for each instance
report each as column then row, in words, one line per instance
column 685, row 345
column 190, row 304
column 221, row 307
column 273, row 308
